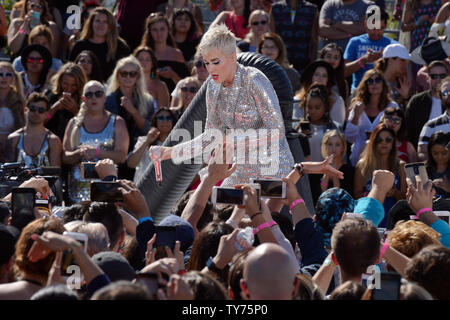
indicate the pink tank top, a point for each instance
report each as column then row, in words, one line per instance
column 235, row 24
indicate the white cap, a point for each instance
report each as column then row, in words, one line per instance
column 396, row 50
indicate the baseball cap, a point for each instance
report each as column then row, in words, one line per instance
column 396, row 50
column 114, row 265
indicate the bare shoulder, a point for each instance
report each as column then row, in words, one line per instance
column 15, row 134
column 53, row 138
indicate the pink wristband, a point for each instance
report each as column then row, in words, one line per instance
column 97, row 152
column 383, row 249
column 323, row 184
column 21, row 31
column 418, row 213
column 263, row 226
column 296, row 202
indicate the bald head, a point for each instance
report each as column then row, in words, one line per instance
column 269, row 273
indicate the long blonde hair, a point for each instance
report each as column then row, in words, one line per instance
column 15, row 99
column 73, row 70
column 112, row 36
column 140, row 91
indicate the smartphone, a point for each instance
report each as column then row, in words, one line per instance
column 35, row 16
column 305, row 126
column 271, row 188
column 106, row 191
column 67, row 258
column 389, row 288
column 227, row 196
column 87, row 170
column 417, row 169
column 166, row 236
column 443, row 215
column 23, row 198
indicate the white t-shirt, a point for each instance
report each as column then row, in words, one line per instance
column 436, row 108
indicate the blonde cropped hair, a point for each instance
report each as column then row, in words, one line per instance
column 409, row 237
column 218, row 37
column 327, row 136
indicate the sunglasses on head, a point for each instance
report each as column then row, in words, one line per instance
column 187, row 89
column 438, row 75
column 199, row 64
column 256, row 23
column 130, row 74
column 164, row 118
column 97, row 94
column 34, row 59
column 372, row 81
column 396, row 120
column 6, row 74
column 387, row 140
column 38, row 109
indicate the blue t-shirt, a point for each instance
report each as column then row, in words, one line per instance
column 357, row 47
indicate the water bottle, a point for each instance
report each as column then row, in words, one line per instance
column 244, row 239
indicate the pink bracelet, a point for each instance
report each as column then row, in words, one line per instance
column 295, row 202
column 323, row 184
column 97, row 152
column 383, row 249
column 263, row 226
column 418, row 213
column 21, row 31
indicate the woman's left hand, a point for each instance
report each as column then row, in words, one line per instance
column 324, row 167
column 404, row 87
column 128, row 105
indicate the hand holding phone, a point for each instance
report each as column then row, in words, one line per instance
column 68, row 258
column 389, row 287
column 417, row 169
column 105, row 191
column 271, row 188
column 305, row 128
column 23, row 199
column 87, row 170
column 35, row 19
column 227, row 196
column 166, row 236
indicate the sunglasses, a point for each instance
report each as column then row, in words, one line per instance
column 34, row 59
column 6, row 74
column 256, row 23
column 438, row 75
column 396, row 120
column 199, row 64
column 97, row 94
column 444, row 93
column 37, row 6
column 162, row 118
column 41, row 110
column 316, row 93
column 387, row 140
column 371, row 81
column 191, row 89
column 130, row 74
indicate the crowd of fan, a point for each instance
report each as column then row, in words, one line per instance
column 107, row 90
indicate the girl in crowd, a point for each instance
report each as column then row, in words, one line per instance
column 323, row 73
column 88, row 61
column 334, row 143
column 171, row 64
column 36, row 61
column 259, row 25
column 100, row 35
column 184, row 32
column 188, row 87
column 12, row 104
column 381, row 154
column 196, row 12
column 92, row 135
column 333, row 54
column 34, row 13
column 271, row 45
column 366, row 109
column 65, row 97
column 394, row 118
column 237, row 19
column 157, row 88
column 438, row 163
column 162, row 124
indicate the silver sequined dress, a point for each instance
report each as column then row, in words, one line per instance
column 249, row 103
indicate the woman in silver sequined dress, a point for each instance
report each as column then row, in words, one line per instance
column 238, row 97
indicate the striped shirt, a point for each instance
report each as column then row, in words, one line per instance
column 441, row 123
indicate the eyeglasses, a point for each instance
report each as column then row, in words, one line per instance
column 97, row 94
column 130, row 74
column 371, row 81
column 187, row 89
column 35, row 59
column 438, row 75
column 256, row 23
column 444, row 93
column 199, row 64
column 166, row 118
column 37, row 6
column 387, row 140
column 6, row 74
column 41, row 110
column 396, row 120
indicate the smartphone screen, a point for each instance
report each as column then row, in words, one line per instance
column 105, row 191
column 166, row 236
column 305, row 125
column 417, row 169
column 390, row 287
column 88, row 171
column 271, row 188
column 229, row 196
column 23, row 198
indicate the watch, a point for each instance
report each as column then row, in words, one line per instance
column 212, row 266
column 299, row 168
